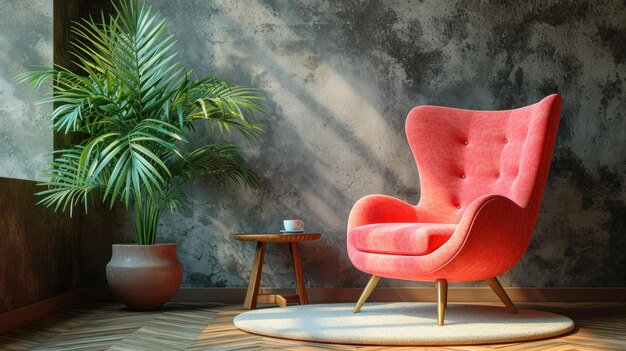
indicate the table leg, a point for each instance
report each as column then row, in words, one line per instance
column 255, row 277
column 297, row 270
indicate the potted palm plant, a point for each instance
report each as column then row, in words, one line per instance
column 134, row 108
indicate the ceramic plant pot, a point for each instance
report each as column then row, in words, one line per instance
column 144, row 277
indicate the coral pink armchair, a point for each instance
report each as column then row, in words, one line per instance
column 482, row 176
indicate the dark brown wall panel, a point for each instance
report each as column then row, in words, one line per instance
column 66, row 12
column 95, row 225
column 39, row 250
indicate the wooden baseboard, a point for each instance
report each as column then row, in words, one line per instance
column 31, row 313
column 326, row 295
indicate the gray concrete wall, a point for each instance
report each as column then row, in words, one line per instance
column 25, row 40
column 340, row 78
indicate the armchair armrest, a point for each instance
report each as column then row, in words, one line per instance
column 492, row 236
column 498, row 208
column 381, row 209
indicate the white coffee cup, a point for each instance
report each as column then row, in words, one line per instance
column 293, row 225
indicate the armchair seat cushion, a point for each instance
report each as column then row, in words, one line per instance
column 411, row 239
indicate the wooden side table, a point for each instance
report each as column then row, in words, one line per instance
column 252, row 296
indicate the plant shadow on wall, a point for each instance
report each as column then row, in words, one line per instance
column 314, row 195
column 134, row 109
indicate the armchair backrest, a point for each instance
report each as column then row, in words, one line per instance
column 462, row 155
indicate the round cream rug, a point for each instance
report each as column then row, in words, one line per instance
column 403, row 323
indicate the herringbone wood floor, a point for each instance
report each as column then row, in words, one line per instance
column 208, row 326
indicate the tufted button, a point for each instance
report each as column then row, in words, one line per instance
column 498, row 176
column 458, row 206
column 506, row 141
column 466, row 142
column 463, row 176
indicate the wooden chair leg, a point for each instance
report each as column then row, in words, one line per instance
column 497, row 288
column 442, row 299
column 371, row 285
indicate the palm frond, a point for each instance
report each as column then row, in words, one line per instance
column 221, row 160
column 222, row 105
column 134, row 103
column 68, row 185
column 174, row 199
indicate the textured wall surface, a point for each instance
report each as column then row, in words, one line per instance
column 340, row 78
column 25, row 40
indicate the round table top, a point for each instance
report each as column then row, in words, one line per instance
column 277, row 237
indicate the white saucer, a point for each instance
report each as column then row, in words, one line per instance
column 292, row 231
